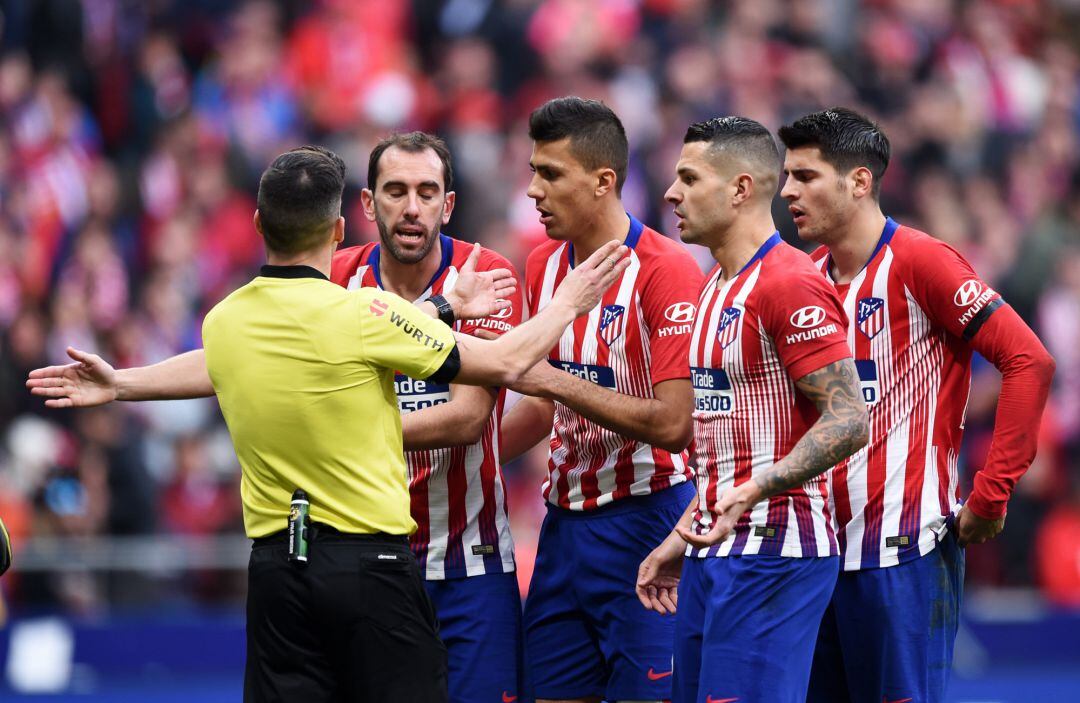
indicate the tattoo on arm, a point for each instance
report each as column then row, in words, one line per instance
column 841, row 430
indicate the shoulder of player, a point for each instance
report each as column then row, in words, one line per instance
column 489, row 258
column 347, row 260
column 657, row 252
column 790, row 269
column 914, row 250
column 819, row 254
column 537, row 258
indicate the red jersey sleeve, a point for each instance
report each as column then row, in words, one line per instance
column 806, row 321
column 505, row 320
column 345, row 263
column 668, row 301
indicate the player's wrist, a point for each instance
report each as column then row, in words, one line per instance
column 122, row 386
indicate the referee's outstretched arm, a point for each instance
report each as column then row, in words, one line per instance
column 91, row 381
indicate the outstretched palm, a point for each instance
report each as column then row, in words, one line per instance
column 89, row 381
column 478, row 294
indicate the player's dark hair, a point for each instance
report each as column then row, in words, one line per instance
column 300, row 198
column 743, row 137
column 413, row 143
column 847, row 140
column 597, row 137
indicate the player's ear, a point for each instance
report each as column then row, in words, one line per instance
column 339, row 230
column 744, row 188
column 862, row 182
column 258, row 223
column 606, row 181
column 448, row 206
column 367, row 199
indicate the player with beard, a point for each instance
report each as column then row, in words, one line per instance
column 916, row 312
column 450, row 431
column 617, row 412
column 776, row 405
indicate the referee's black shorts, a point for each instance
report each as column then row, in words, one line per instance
column 354, row 624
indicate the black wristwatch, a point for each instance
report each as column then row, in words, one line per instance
column 445, row 310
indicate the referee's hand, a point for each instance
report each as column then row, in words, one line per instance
column 88, row 382
column 586, row 283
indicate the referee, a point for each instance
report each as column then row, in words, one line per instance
column 303, row 370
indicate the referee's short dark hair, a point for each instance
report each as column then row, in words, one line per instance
column 745, row 140
column 847, row 140
column 411, row 142
column 597, row 137
column 300, row 198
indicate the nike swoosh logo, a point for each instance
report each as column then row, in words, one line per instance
column 507, row 698
column 656, row 676
column 710, row 699
column 885, row 699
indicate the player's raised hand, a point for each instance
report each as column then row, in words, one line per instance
column 480, row 294
column 658, row 576
column 585, row 284
column 89, row 381
column 728, row 509
column 972, row 529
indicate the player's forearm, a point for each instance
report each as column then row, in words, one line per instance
column 649, row 420
column 451, row 424
column 524, row 426
column 504, row 361
column 177, row 378
column 1027, row 370
column 841, row 430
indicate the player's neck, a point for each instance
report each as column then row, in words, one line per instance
column 852, row 248
column 741, row 242
column 611, row 222
column 409, row 281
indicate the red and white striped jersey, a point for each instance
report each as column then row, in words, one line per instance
column 754, row 336
column 458, row 493
column 634, row 338
column 910, row 313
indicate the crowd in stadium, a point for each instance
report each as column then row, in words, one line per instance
column 132, row 136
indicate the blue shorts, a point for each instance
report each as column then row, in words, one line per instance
column 586, row 633
column 888, row 633
column 480, row 624
column 746, row 626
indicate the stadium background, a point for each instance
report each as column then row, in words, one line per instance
column 132, row 135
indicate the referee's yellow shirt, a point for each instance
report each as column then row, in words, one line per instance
column 304, row 374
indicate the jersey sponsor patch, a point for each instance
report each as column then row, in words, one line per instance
column 594, row 373
column 413, row 331
column 729, row 326
column 967, row 293
column 611, row 323
column 870, row 315
column 808, row 317
column 712, row 390
column 680, row 312
column 414, row 394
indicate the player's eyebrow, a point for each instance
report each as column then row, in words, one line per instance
column 402, row 184
column 797, row 172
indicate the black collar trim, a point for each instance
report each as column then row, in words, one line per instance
column 270, row 271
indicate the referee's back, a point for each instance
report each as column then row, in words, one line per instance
column 303, row 371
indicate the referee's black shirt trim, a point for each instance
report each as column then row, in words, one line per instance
column 301, row 271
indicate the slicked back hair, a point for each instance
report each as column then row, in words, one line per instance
column 300, row 198
column 413, row 143
column 597, row 137
column 847, row 140
column 746, row 140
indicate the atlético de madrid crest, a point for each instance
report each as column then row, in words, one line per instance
column 611, row 323
column 870, row 314
column 728, row 330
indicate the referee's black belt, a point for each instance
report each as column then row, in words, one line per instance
column 321, row 532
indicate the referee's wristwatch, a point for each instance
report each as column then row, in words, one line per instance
column 443, row 307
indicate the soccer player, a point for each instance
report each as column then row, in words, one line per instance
column 916, row 311
column 462, row 542
column 620, row 404
column 776, row 404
